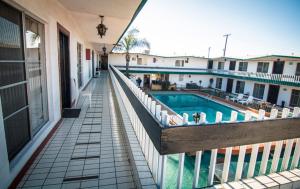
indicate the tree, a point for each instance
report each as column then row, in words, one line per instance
column 129, row 42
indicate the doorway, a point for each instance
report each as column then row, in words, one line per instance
column 104, row 62
column 278, row 67
column 273, row 94
column 229, row 85
column 64, row 68
column 210, row 64
column 146, row 80
column 93, row 64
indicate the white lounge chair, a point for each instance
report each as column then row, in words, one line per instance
column 238, row 98
column 249, row 100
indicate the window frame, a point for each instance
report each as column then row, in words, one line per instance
column 219, row 82
column 240, row 85
column 257, row 89
column 295, row 96
column 262, row 67
column 243, row 66
column 221, row 65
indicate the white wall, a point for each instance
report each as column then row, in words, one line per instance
column 49, row 13
column 147, row 60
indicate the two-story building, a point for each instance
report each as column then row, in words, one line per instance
column 272, row 78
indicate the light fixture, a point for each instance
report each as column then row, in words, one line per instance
column 104, row 50
column 101, row 28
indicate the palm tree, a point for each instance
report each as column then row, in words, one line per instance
column 129, row 42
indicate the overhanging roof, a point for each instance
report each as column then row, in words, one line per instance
column 118, row 15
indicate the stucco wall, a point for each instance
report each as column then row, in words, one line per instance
column 49, row 13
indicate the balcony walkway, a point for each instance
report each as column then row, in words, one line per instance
column 85, row 152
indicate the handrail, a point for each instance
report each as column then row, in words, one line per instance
column 158, row 139
column 275, row 78
column 164, row 136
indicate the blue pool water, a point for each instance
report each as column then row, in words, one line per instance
column 189, row 103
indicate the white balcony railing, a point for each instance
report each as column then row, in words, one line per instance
column 161, row 141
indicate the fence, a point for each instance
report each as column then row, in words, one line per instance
column 159, row 140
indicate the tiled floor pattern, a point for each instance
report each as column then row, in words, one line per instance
column 86, row 152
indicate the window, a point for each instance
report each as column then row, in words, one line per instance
column 258, row 91
column 79, row 65
column 295, row 98
column 181, row 77
column 219, row 83
column 232, row 65
column 263, row 67
column 187, row 60
column 139, row 61
column 154, row 60
column 210, row 64
column 23, row 88
column 298, row 69
column 179, row 63
column 36, row 66
column 240, row 86
column 243, row 66
column 221, row 65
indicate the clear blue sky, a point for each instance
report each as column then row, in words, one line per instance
column 189, row 27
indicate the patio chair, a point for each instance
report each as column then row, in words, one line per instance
column 249, row 100
column 239, row 97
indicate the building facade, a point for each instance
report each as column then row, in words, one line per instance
column 273, row 78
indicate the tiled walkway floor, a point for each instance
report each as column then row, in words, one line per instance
column 86, row 152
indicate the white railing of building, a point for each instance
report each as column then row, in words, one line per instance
column 158, row 162
column 257, row 75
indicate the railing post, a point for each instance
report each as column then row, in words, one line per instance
column 185, row 119
column 296, row 112
column 287, row 154
column 202, row 117
column 181, row 157
column 274, row 113
column 240, row 163
column 276, row 156
column 255, row 147
column 296, row 156
column 197, row 169
column 165, row 118
column 212, row 166
column 158, row 112
column 162, row 165
column 153, row 104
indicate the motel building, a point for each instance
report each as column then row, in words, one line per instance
column 70, row 118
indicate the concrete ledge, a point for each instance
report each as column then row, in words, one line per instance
column 141, row 171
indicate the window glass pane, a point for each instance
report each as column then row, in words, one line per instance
column 11, row 72
column 295, row 98
column 16, row 136
column 240, row 85
column 11, row 35
column 13, row 99
column 298, row 69
column 243, row 66
column 258, row 91
column 219, row 83
column 36, row 73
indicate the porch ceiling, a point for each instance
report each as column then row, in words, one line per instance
column 118, row 14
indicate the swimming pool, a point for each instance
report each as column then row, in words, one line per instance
column 190, row 103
